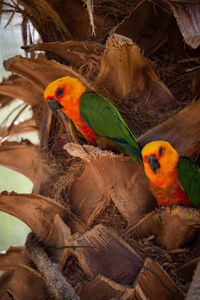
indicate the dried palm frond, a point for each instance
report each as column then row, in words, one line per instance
column 13, row 111
column 42, row 16
column 41, row 11
column 90, row 9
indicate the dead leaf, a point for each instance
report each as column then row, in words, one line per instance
column 5, row 279
column 40, row 72
column 101, row 177
column 38, row 212
column 176, row 228
column 193, row 292
column 186, row 271
column 27, row 283
column 142, row 25
column 59, row 236
column 20, row 88
column 181, row 130
column 105, row 289
column 24, row 158
column 5, row 100
column 22, row 127
column 56, row 282
column 76, row 19
column 111, row 255
column 187, row 15
column 11, row 258
column 74, row 52
column 154, row 283
column 124, row 68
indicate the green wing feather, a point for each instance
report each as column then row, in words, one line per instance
column 75, row 130
column 189, row 177
column 106, row 121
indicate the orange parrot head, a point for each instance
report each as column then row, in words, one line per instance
column 63, row 93
column 160, row 162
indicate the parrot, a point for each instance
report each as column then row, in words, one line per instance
column 173, row 180
column 93, row 116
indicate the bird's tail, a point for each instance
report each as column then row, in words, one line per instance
column 134, row 154
column 106, row 143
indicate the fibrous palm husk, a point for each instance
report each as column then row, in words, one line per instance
column 187, row 16
column 102, row 174
column 173, row 229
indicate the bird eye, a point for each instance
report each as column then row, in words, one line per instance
column 59, row 92
column 161, row 151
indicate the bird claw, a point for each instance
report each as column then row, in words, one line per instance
column 160, row 211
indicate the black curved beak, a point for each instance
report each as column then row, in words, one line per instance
column 54, row 105
column 153, row 163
